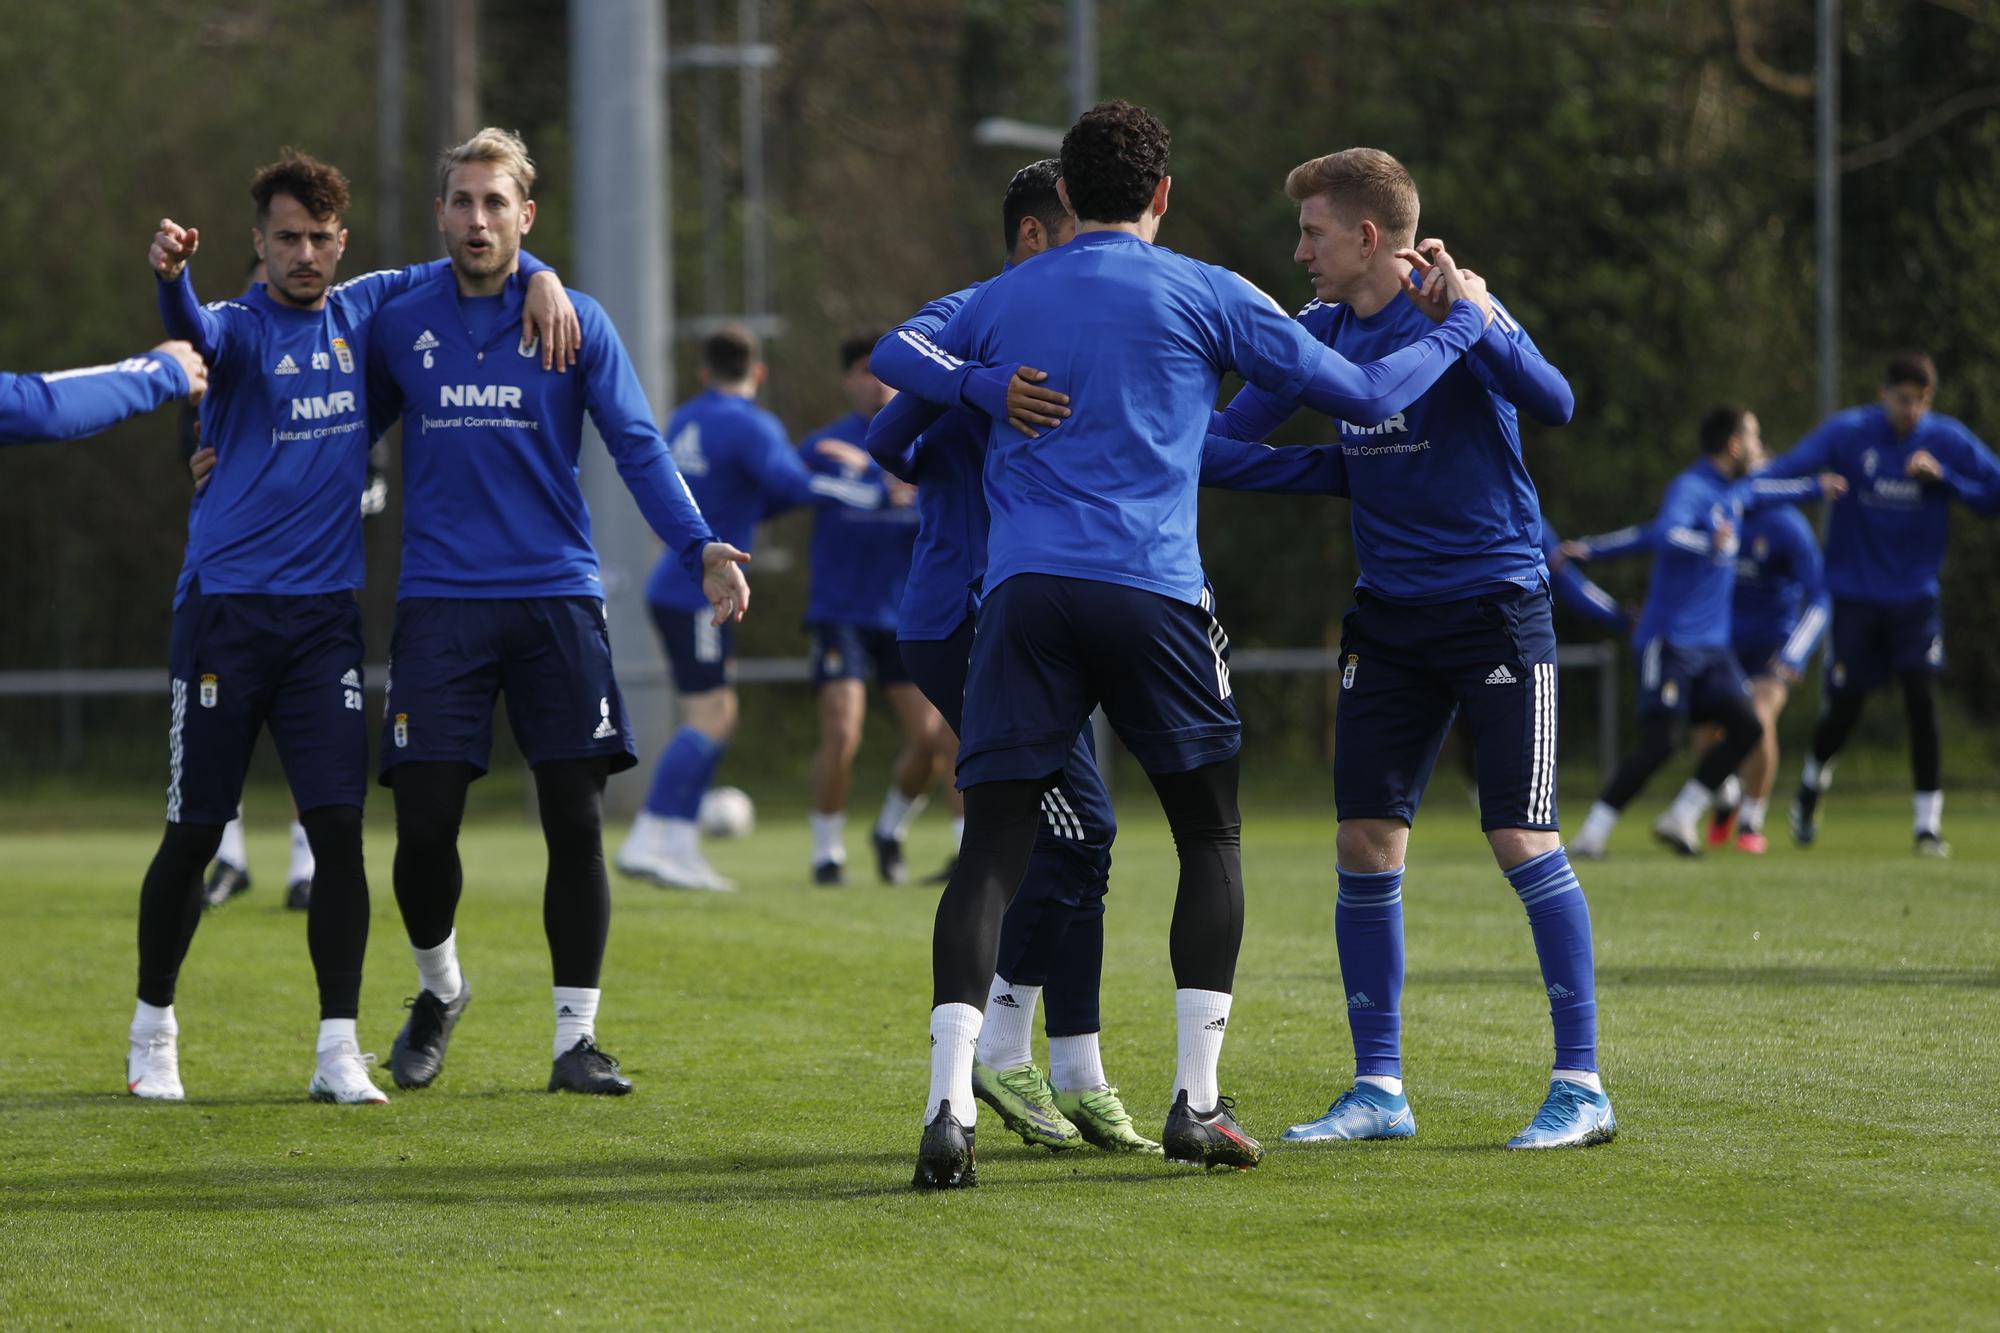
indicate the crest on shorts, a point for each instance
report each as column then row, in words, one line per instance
column 402, row 731
column 1670, row 693
column 1839, row 675
column 1347, row 672
column 208, row 691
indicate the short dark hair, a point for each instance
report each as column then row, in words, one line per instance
column 320, row 189
column 1910, row 368
column 1031, row 194
column 728, row 353
column 1113, row 159
column 1719, row 425
column 856, row 347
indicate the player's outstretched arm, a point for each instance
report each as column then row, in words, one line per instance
column 1245, row 465
column 70, row 404
column 181, row 314
column 1970, row 473
column 785, row 482
column 895, row 434
column 910, row 359
column 1505, row 359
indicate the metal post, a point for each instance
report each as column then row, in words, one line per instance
column 389, row 58
column 1607, row 712
column 1082, row 56
column 756, row 221
column 618, row 89
column 1826, row 118
column 708, row 152
column 453, row 34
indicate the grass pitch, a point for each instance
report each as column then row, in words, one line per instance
column 1802, row 1051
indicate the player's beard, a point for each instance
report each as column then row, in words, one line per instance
column 291, row 293
column 497, row 257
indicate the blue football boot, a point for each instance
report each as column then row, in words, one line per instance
column 1364, row 1111
column 1572, row 1116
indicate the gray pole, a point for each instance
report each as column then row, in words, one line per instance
column 618, row 89
column 756, row 226
column 1826, row 115
column 453, row 34
column 390, row 234
column 1082, row 56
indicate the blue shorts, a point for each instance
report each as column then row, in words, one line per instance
column 1690, row 681
column 1875, row 641
column 845, row 652
column 1406, row 670
column 244, row 662
column 1754, row 656
column 1050, row 650
column 701, row 654
column 451, row 656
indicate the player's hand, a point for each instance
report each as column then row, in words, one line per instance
column 1030, row 405
column 1435, row 281
column 1573, row 550
column 191, row 365
column 1832, row 485
column 722, row 581
column 549, row 317
column 1723, row 539
column 850, row 456
column 902, row 495
column 1785, row 671
column 200, row 463
column 1923, row 466
column 173, row 245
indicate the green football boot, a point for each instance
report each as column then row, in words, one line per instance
column 1101, row 1118
column 1026, row 1104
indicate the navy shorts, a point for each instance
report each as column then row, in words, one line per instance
column 701, row 654
column 1049, row 650
column 1875, row 641
column 1754, row 656
column 1406, row 670
column 243, row 662
column 1689, row 681
column 451, row 656
column 846, row 652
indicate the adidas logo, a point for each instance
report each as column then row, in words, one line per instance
column 605, row 731
column 1500, row 675
column 352, row 679
column 287, row 366
column 1007, row 1001
column 565, row 1012
column 1215, row 1025
column 1561, row 992
column 426, row 341
column 1360, row 1000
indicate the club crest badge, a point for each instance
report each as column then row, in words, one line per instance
column 1347, row 672
column 208, row 691
column 344, row 355
column 402, row 731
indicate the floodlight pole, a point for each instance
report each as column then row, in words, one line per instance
column 1826, row 117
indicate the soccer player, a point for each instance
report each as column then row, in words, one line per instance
column 1778, row 614
column 1575, row 591
column 859, row 561
column 741, row 468
column 1093, row 592
column 1451, row 616
column 1686, row 667
column 267, row 632
column 1904, row 466
column 501, row 593
column 70, row 404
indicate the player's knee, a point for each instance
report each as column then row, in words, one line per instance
column 332, row 830
column 1517, row 846
column 1369, row 846
column 191, row 844
column 713, row 714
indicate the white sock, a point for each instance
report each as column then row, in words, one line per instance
column 1201, row 1017
column 1817, row 776
column 1007, row 1035
column 231, row 851
column 957, row 831
column 334, row 1031
column 1750, row 814
column 149, row 1019
column 1075, row 1064
column 1587, row 1077
column 1930, row 811
column 1392, row 1086
column 954, row 1038
column 899, row 812
column 1693, row 799
column 302, row 855
column 576, row 1015
column 1729, row 795
column 828, row 834
column 1597, row 825
column 437, row 968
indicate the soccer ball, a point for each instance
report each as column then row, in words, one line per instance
column 726, row 812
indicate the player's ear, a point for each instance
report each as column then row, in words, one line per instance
column 257, row 242
column 527, row 216
column 1371, row 239
column 1062, row 193
column 437, row 208
column 340, row 243
column 1160, row 196
column 758, row 373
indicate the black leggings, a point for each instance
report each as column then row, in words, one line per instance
column 1842, row 711
column 1660, row 736
column 336, row 926
column 576, row 895
column 1000, row 823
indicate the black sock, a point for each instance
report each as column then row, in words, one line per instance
column 1000, row 823
column 1659, row 737
column 1208, row 908
column 170, row 907
column 337, row 919
column 576, row 896
column 1926, row 751
column 430, row 804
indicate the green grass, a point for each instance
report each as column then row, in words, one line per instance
column 1802, row 1052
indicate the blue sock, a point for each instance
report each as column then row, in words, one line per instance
column 1560, row 919
column 682, row 775
column 1368, row 934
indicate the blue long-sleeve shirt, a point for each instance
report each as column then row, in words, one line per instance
column 741, row 468
column 1443, row 505
column 859, row 559
column 1575, row 590
column 287, row 413
column 1779, row 594
column 491, row 503
column 1139, row 337
column 1885, row 538
column 1694, row 574
column 69, row 404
